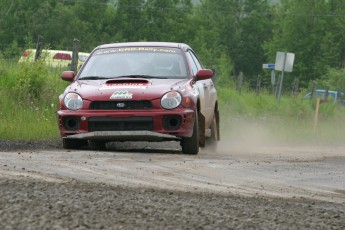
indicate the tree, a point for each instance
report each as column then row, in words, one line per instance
column 167, row 20
column 255, row 28
column 235, row 29
column 129, row 20
column 20, row 18
column 316, row 42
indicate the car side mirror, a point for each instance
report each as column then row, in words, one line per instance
column 68, row 76
column 203, row 74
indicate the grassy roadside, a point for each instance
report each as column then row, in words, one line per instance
column 29, row 94
column 28, row 101
column 246, row 115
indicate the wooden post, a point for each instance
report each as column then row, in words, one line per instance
column 313, row 91
column 74, row 64
column 39, row 47
column 258, row 85
column 316, row 116
column 239, row 82
column 295, row 87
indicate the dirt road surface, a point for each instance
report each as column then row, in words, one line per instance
column 154, row 186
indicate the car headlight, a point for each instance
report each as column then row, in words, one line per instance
column 73, row 101
column 171, row 100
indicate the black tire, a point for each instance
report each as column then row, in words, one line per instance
column 98, row 145
column 73, row 143
column 190, row 145
column 212, row 141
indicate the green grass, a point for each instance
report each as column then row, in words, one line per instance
column 29, row 95
column 28, row 123
column 28, row 101
column 290, row 122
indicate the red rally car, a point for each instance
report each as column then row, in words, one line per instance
column 140, row 91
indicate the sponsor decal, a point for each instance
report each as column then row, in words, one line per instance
column 124, row 85
column 121, row 95
column 136, row 49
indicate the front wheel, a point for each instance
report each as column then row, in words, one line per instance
column 190, row 145
column 98, row 145
column 73, row 143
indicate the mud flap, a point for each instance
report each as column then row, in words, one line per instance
column 202, row 131
column 218, row 125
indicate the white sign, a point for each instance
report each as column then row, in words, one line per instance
column 284, row 61
column 268, row 66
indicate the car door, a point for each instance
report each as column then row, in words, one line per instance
column 207, row 92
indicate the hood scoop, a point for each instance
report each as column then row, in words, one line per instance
column 127, row 83
column 124, row 81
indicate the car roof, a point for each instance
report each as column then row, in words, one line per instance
column 145, row 44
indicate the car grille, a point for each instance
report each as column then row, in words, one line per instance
column 120, row 105
column 120, row 124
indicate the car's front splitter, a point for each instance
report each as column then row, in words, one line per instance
column 123, row 136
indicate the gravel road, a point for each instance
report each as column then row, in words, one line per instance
column 148, row 186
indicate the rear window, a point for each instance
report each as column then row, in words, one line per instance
column 82, row 57
column 62, row 56
column 26, row 53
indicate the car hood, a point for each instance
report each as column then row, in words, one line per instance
column 126, row 89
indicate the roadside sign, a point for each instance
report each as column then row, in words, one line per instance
column 284, row 61
column 268, row 66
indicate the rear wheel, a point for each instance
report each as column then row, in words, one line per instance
column 190, row 145
column 212, row 141
column 73, row 143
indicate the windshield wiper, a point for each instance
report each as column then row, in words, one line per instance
column 140, row 76
column 93, row 78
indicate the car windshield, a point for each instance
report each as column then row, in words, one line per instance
column 145, row 62
column 322, row 95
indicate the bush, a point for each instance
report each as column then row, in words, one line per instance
column 28, row 97
column 334, row 79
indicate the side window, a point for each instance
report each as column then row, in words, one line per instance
column 196, row 60
column 191, row 62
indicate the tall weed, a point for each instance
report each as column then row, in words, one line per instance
column 28, row 100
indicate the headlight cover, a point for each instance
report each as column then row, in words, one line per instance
column 171, row 100
column 73, row 101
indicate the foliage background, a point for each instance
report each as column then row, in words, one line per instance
column 243, row 34
column 231, row 36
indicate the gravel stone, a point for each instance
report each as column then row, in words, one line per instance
column 28, row 203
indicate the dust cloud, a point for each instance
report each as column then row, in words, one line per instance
column 243, row 134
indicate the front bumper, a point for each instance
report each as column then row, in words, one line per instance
column 126, row 125
column 123, row 136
